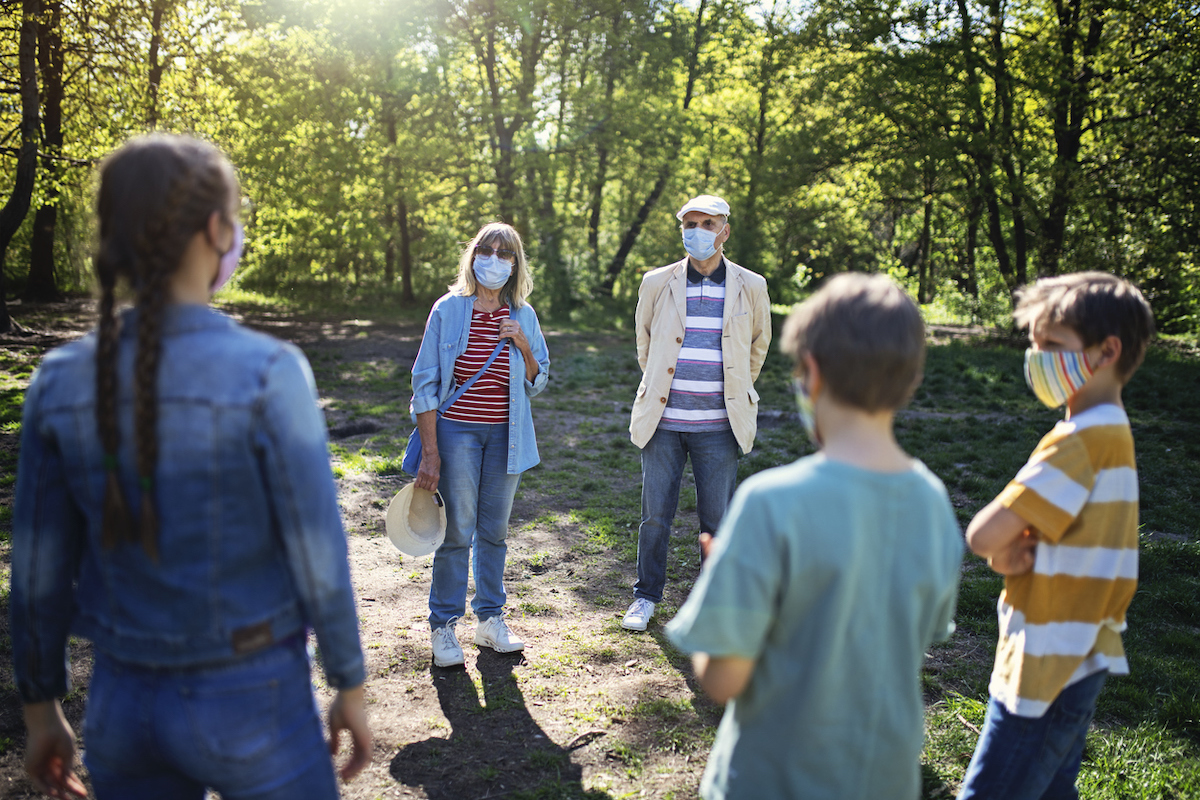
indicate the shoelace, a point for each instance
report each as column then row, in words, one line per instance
column 449, row 633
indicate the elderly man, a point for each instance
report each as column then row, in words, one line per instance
column 703, row 326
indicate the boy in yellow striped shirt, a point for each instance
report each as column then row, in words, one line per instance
column 1064, row 535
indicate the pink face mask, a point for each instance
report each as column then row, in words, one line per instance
column 229, row 260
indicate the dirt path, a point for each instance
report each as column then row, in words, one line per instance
column 589, row 710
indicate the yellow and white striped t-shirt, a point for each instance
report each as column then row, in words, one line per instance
column 1063, row 620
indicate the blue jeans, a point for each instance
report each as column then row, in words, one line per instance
column 478, row 492
column 714, row 466
column 248, row 729
column 1025, row 758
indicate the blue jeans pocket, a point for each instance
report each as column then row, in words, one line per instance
column 234, row 722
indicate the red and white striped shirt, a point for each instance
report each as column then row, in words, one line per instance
column 487, row 399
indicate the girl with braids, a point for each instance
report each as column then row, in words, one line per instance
column 175, row 506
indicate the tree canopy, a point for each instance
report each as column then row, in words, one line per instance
column 965, row 146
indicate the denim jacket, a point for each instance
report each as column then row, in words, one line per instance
column 446, row 334
column 251, row 544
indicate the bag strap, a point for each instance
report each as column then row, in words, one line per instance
column 452, row 399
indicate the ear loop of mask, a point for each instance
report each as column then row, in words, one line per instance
column 806, row 406
column 229, row 259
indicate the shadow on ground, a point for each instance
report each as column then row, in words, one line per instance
column 459, row 766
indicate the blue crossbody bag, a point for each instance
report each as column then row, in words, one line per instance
column 412, row 451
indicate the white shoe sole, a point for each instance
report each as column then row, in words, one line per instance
column 634, row 626
column 449, row 663
column 511, row 649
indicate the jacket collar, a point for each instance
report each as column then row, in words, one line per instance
column 177, row 318
column 679, row 275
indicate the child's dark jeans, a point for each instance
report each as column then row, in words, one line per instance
column 1027, row 758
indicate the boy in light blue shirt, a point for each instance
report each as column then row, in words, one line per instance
column 831, row 575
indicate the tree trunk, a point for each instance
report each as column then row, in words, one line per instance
column 157, row 64
column 979, row 148
column 1071, row 103
column 1005, row 138
column 610, row 82
column 749, row 235
column 925, row 281
column 42, row 285
column 389, row 247
column 406, row 288
column 391, row 172
column 14, row 211
column 968, row 282
column 530, row 47
column 664, row 174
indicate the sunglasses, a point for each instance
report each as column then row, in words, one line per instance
column 485, row 251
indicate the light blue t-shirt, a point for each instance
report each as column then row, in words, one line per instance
column 835, row 580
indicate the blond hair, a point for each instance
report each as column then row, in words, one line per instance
column 500, row 236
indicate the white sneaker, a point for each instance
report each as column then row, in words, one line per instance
column 639, row 614
column 447, row 652
column 495, row 633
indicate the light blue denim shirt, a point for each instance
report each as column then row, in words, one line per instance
column 251, row 544
column 446, row 335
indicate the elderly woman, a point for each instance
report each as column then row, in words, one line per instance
column 474, row 452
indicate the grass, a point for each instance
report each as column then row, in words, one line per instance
column 972, row 421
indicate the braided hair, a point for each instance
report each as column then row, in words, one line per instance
column 156, row 192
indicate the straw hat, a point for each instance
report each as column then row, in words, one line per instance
column 416, row 521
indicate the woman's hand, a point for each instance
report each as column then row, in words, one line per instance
column 347, row 713
column 511, row 329
column 430, row 470
column 50, row 751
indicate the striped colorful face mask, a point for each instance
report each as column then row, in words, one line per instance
column 1056, row 377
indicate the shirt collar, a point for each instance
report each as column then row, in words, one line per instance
column 718, row 275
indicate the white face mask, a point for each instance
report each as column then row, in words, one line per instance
column 491, row 272
column 699, row 243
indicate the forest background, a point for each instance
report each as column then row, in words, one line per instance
column 964, row 146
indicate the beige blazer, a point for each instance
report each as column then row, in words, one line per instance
column 746, row 333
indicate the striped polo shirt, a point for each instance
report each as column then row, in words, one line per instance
column 1062, row 621
column 696, row 403
column 487, row 399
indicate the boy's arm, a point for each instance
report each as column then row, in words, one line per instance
column 722, row 677
column 1003, row 537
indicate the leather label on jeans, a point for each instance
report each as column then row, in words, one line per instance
column 252, row 637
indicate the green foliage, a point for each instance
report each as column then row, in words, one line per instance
column 374, row 138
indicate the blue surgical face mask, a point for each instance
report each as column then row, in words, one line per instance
column 699, row 243
column 491, row 272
